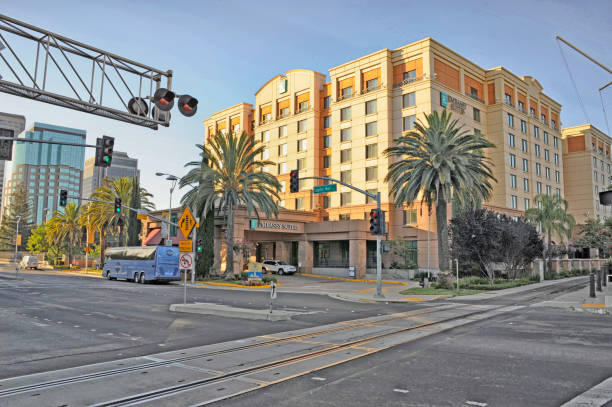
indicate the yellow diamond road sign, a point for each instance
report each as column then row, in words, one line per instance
column 186, row 222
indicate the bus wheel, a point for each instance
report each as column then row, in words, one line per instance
column 142, row 278
column 135, row 280
column 108, row 277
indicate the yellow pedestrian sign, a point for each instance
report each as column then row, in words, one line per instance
column 185, row 246
column 186, row 222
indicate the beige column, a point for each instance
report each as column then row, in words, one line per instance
column 462, row 81
column 218, row 244
column 305, row 256
column 357, row 256
column 282, row 250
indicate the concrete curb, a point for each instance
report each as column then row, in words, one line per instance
column 232, row 312
column 352, row 280
column 9, row 277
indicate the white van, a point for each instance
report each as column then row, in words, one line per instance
column 29, row 262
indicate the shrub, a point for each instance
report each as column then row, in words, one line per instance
column 268, row 279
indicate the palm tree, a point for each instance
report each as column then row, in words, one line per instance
column 227, row 176
column 550, row 213
column 67, row 225
column 434, row 161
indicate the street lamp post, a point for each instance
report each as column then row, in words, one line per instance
column 174, row 180
column 16, row 241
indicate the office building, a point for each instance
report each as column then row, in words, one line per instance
column 121, row 166
column 16, row 123
column 44, row 169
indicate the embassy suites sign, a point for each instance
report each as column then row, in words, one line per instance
column 272, row 226
column 455, row 104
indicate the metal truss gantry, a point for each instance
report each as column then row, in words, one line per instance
column 68, row 73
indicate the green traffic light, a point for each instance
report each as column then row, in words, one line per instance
column 106, row 158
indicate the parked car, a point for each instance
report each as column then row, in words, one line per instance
column 277, row 266
column 29, row 262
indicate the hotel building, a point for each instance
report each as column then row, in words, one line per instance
column 338, row 125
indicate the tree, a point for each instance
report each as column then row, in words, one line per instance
column 550, row 214
column 594, row 234
column 134, row 224
column 66, row 225
column 434, row 160
column 38, row 242
column 19, row 206
column 520, row 245
column 233, row 177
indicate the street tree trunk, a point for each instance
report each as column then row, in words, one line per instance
column 549, row 253
column 444, row 277
column 102, row 246
column 229, row 243
column 70, row 253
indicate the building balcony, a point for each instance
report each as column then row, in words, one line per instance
column 302, row 110
column 345, row 97
column 282, row 116
column 475, row 97
column 408, row 81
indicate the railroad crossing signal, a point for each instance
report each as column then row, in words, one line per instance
column 117, row 205
column 294, row 181
column 63, row 197
column 375, row 222
column 187, row 105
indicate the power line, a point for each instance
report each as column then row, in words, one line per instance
column 604, row 112
column 573, row 81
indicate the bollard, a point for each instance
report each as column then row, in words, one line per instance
column 599, row 281
column 592, row 285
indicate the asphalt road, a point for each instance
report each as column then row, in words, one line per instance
column 50, row 322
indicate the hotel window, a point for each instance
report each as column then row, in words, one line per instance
column 327, row 122
column 409, row 122
column 594, row 162
column 510, row 120
column 508, row 99
column 345, row 176
column 282, row 150
column 344, row 216
column 512, row 161
column 523, row 126
column 553, row 124
column 326, row 201
column 410, row 217
column 301, row 126
column 410, row 75
column 525, row 165
column 370, row 107
column 299, row 203
column 345, row 134
column 371, row 173
column 557, row 176
column 282, row 131
column 301, row 163
column 372, row 84
column 526, row 203
column 521, row 106
column 347, row 92
column 476, row 115
column 608, row 168
column 282, row 186
column 537, row 150
column 345, row 113
column 547, row 172
column 303, row 106
column 524, row 145
column 473, row 92
column 542, row 117
column 371, row 151
column 327, row 141
column 284, row 112
column 546, row 155
column 547, row 189
column 369, row 199
column 545, row 137
column 525, row 185
column 602, row 178
column 558, row 191
column 282, row 169
column 345, row 198
column 513, row 201
column 532, row 112
column 302, row 145
column 345, row 155
column 265, row 136
column 556, row 158
column 266, row 154
column 536, row 131
column 326, row 161
column 326, row 102
column 512, row 181
column 538, row 169
column 408, row 99
column 595, row 176
column 371, row 129
column 538, row 187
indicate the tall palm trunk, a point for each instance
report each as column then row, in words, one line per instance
column 102, row 245
column 442, row 226
column 549, row 253
column 229, row 242
column 70, row 252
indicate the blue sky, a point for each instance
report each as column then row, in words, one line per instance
column 223, row 51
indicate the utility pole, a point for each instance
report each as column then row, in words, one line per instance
column 17, row 241
column 379, row 293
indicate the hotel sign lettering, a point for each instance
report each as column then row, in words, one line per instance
column 455, row 104
column 273, row 226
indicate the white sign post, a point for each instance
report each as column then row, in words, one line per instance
column 186, row 264
column 272, row 293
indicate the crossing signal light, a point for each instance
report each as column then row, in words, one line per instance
column 138, row 106
column 63, row 197
column 375, row 222
column 199, row 246
column 117, row 205
column 164, row 99
column 294, row 181
column 187, row 105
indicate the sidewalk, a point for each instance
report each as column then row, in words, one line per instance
column 581, row 301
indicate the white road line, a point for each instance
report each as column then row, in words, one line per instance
column 476, row 403
column 321, row 379
column 595, row 396
column 401, row 391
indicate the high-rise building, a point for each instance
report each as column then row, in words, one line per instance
column 340, row 128
column 13, row 122
column 121, row 166
column 44, row 169
column 586, row 165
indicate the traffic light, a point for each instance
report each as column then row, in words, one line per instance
column 108, row 144
column 187, row 105
column 63, row 197
column 375, row 222
column 164, row 99
column 117, row 205
column 294, row 182
column 199, row 246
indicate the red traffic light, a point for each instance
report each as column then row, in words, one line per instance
column 187, row 105
column 164, row 99
column 373, row 214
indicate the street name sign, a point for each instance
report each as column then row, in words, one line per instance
column 186, row 222
column 185, row 246
column 321, row 189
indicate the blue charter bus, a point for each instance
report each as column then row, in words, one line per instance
column 142, row 263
